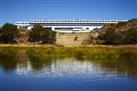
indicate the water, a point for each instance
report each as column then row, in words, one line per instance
column 68, row 69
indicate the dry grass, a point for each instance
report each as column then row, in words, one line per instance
column 52, row 45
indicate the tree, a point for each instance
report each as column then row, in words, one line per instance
column 131, row 36
column 42, row 35
column 108, row 37
column 8, row 33
column 49, row 36
column 36, row 33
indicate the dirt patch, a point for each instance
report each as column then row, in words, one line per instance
column 71, row 38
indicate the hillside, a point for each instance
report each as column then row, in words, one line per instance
column 71, row 39
column 121, row 33
column 121, row 26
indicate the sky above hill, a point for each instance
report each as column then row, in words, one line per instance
column 25, row 10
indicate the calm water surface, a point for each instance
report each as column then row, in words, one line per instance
column 70, row 69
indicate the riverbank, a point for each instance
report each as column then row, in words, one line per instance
column 27, row 45
column 52, row 45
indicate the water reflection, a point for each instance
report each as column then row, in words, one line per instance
column 83, row 63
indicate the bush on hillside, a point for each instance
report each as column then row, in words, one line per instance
column 8, row 33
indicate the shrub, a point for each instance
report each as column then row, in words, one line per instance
column 8, row 33
column 42, row 35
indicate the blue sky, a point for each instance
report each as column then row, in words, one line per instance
column 24, row 10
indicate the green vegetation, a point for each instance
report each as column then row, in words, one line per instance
column 42, row 35
column 36, row 33
column 8, row 33
column 119, row 37
column 116, row 34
